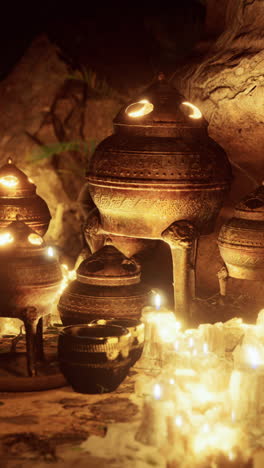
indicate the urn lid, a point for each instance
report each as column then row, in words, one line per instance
column 252, row 206
column 19, row 238
column 159, row 106
column 14, row 182
column 108, row 267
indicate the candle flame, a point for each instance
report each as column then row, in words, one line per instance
column 157, row 301
column 35, row 239
column 176, row 346
column 157, row 391
column 9, row 181
column 6, row 238
column 50, row 252
column 138, row 109
column 178, row 421
column 253, row 357
column 196, row 113
column 206, row 428
column 191, row 342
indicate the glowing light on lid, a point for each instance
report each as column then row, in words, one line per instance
column 196, row 113
column 140, row 108
column 6, row 238
column 9, row 181
column 35, row 239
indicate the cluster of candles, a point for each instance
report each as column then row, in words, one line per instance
column 203, row 389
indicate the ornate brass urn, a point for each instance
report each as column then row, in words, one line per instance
column 241, row 241
column 18, row 197
column 161, row 176
column 29, row 280
column 107, row 285
column 159, row 166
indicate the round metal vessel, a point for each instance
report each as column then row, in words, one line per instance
column 29, row 277
column 159, row 166
column 241, row 239
column 18, row 197
column 94, row 358
column 107, row 285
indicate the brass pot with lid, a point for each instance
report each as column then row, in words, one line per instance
column 160, row 176
column 107, row 286
column 29, row 274
column 30, row 278
column 158, row 167
column 241, row 239
column 18, row 197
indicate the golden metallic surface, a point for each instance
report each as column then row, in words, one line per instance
column 137, row 331
column 29, row 281
column 158, row 168
column 18, row 197
column 107, row 285
column 241, row 239
column 91, row 360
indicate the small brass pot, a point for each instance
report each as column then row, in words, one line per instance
column 28, row 275
column 18, row 197
column 94, row 358
column 107, row 285
column 136, row 328
column 241, row 238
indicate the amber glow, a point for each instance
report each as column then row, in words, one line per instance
column 196, row 113
column 157, row 301
column 138, row 109
column 9, row 181
column 50, row 252
column 6, row 239
column 35, row 239
column 68, row 276
column 253, row 356
column 218, row 438
column 157, row 391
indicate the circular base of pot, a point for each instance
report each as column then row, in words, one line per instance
column 14, row 378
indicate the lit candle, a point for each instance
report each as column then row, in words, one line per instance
column 153, row 429
column 247, row 383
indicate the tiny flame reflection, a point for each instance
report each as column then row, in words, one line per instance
column 196, row 113
column 6, row 239
column 35, row 239
column 9, row 181
column 142, row 107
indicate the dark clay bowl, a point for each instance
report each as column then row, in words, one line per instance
column 94, row 358
column 136, row 328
